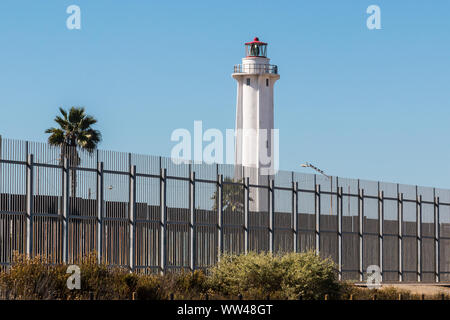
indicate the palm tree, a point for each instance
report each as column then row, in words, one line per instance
column 75, row 130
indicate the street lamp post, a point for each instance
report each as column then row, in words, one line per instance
column 309, row 165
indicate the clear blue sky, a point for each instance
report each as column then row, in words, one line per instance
column 355, row 102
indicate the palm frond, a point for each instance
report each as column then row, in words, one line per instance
column 62, row 122
column 63, row 112
column 89, row 139
column 76, row 114
column 75, row 130
column 86, row 122
column 56, row 137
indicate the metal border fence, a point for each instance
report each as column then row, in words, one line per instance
column 151, row 215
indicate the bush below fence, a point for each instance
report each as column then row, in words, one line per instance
column 303, row 276
column 252, row 276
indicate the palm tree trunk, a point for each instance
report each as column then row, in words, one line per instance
column 71, row 154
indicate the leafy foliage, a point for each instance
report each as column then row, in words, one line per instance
column 255, row 276
column 33, row 279
column 75, row 129
column 286, row 276
column 232, row 196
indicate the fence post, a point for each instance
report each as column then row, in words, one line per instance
column 400, row 236
column 132, row 208
column 99, row 211
column 436, row 240
column 246, row 212
column 271, row 215
column 361, row 233
column 193, row 248
column 295, row 215
column 65, row 209
column 317, row 216
column 219, row 215
column 29, row 204
column 380, row 230
column 163, row 216
column 419, row 236
column 339, row 208
column 1, row 158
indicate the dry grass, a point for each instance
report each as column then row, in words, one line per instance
column 396, row 292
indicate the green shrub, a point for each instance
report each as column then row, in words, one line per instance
column 184, row 285
column 149, row 287
column 278, row 276
column 105, row 282
column 309, row 276
column 191, row 283
column 33, row 279
column 37, row 278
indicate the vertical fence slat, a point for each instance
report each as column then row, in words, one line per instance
column 419, row 235
column 380, row 230
column 219, row 215
column 271, row 215
column 436, row 240
column 295, row 215
column 1, row 162
column 339, row 208
column 192, row 240
column 163, row 216
column 29, row 205
column 317, row 217
column 100, row 229
column 65, row 209
column 132, row 218
column 361, row 233
column 400, row 236
column 246, row 212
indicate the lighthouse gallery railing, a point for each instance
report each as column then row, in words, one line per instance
column 256, row 68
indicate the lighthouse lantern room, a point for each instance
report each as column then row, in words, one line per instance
column 256, row 48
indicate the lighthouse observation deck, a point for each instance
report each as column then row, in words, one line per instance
column 256, row 68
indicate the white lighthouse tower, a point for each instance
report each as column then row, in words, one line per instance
column 255, row 78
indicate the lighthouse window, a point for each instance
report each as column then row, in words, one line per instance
column 267, row 82
column 248, row 81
